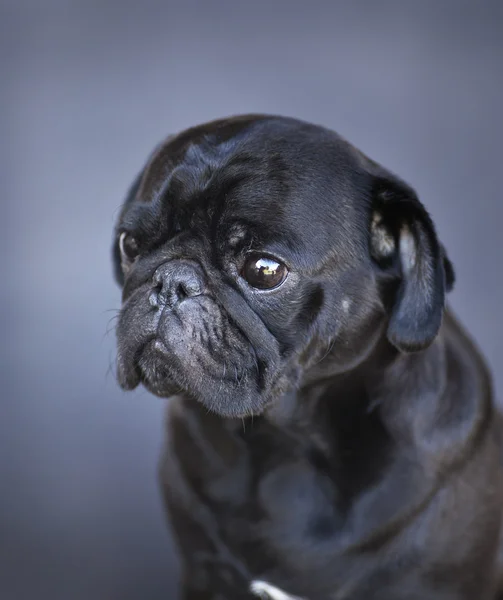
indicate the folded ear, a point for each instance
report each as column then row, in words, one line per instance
column 403, row 239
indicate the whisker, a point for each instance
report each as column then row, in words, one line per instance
column 329, row 349
column 111, row 367
column 110, row 327
column 115, row 310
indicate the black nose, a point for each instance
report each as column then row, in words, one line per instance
column 175, row 281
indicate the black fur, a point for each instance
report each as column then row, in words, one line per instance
column 334, row 436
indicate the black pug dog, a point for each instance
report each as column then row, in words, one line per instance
column 331, row 431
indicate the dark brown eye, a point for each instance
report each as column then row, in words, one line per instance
column 128, row 247
column 264, row 272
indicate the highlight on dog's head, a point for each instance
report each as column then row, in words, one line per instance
column 253, row 251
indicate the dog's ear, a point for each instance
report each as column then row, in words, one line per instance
column 116, row 254
column 403, row 241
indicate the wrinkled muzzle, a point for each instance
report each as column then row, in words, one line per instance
column 175, row 335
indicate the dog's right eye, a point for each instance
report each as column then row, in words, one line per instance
column 128, row 246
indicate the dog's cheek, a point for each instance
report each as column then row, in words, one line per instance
column 292, row 319
column 349, row 323
column 312, row 305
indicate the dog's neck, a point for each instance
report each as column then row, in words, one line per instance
column 327, row 382
column 412, row 394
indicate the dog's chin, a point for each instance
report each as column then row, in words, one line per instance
column 154, row 372
column 234, row 395
column 233, row 392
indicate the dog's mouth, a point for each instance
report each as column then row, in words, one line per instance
column 153, row 369
column 161, row 373
column 195, row 349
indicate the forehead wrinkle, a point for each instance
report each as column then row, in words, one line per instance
column 194, row 148
column 203, row 165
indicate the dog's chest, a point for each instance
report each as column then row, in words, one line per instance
column 274, row 500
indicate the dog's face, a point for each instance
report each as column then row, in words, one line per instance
column 258, row 252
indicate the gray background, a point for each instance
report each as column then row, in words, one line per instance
column 87, row 89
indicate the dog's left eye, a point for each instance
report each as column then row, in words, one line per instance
column 128, row 247
column 264, row 272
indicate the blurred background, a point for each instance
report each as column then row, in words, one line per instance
column 87, row 89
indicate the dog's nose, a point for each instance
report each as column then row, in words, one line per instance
column 175, row 281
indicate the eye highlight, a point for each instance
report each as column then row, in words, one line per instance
column 264, row 272
column 128, row 246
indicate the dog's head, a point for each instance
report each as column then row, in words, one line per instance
column 254, row 250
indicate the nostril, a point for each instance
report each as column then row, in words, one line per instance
column 174, row 282
column 181, row 291
column 154, row 297
column 188, row 288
